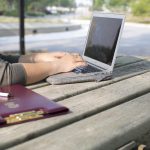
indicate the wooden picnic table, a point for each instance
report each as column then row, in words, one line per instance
column 104, row 115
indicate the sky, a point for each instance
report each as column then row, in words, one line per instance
column 85, row 2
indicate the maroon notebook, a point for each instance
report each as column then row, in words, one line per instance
column 25, row 105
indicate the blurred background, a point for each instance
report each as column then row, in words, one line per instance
column 62, row 25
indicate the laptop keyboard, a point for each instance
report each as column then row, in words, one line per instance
column 86, row 69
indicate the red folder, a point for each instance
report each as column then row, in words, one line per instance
column 25, row 105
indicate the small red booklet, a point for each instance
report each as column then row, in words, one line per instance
column 23, row 105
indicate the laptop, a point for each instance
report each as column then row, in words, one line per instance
column 100, row 50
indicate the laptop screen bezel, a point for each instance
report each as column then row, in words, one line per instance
column 93, row 61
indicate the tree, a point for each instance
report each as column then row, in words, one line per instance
column 3, row 6
column 67, row 3
column 37, row 5
column 121, row 4
column 97, row 4
column 32, row 6
column 6, row 5
column 141, row 7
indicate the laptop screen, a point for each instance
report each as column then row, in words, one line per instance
column 102, row 39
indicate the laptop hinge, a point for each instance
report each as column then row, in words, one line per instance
column 96, row 66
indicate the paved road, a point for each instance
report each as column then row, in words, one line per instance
column 135, row 40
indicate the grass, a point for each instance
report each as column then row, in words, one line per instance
column 5, row 19
column 138, row 19
column 129, row 18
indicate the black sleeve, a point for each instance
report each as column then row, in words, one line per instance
column 11, row 73
column 10, row 58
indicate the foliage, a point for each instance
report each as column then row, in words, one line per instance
column 40, row 4
column 138, row 7
column 11, row 13
column 97, row 4
column 34, row 7
column 66, row 3
column 3, row 6
column 119, row 5
column 35, row 14
column 8, row 7
column 141, row 7
column 119, row 2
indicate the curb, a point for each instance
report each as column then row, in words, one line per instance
column 35, row 30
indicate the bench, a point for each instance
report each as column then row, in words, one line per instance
column 104, row 115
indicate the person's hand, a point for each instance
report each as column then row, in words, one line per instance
column 69, row 62
column 48, row 57
column 41, row 57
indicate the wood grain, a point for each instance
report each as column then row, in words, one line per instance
column 81, row 106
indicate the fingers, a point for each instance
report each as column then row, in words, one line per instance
column 77, row 57
column 74, row 58
column 70, row 61
column 59, row 54
column 79, row 60
column 79, row 64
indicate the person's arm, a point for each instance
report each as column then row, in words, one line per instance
column 39, row 71
column 11, row 73
column 41, row 57
column 27, row 73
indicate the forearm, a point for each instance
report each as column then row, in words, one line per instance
column 41, row 57
column 30, row 58
column 27, row 73
column 38, row 71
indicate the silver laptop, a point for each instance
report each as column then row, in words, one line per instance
column 100, row 50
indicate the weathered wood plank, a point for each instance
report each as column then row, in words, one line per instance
column 120, row 61
column 38, row 85
column 105, row 131
column 81, row 106
column 59, row 92
column 125, row 60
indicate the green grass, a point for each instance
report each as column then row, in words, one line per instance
column 129, row 18
column 138, row 19
column 4, row 19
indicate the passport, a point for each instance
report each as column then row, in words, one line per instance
column 25, row 105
